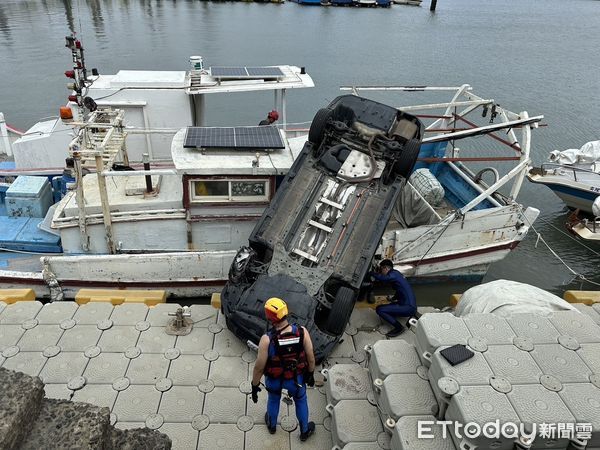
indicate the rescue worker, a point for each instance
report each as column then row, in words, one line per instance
column 286, row 358
column 402, row 303
column 271, row 117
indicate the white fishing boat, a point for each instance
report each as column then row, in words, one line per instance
column 182, row 235
column 573, row 175
column 163, row 101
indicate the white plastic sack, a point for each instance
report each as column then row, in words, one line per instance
column 504, row 298
column 428, row 186
column 588, row 154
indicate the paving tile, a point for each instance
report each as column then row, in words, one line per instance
column 136, row 403
column 344, row 349
column 30, row 363
column 188, row 370
column 158, row 316
column 105, row 368
column 336, row 360
column 258, row 438
column 118, row 338
column 590, row 353
column 228, row 371
column 228, row 344
column 225, row 405
column 197, row 342
column 182, row 435
column 129, row 313
column 10, row 335
column 155, row 340
column 257, row 410
column 316, row 406
column 364, row 318
column 320, row 440
column 56, row 312
column 226, row 437
column 102, row 395
column 221, row 319
column 57, row 391
column 91, row 313
column 19, row 312
column 363, row 338
column 80, row 337
column 64, row 366
column 129, row 425
column 203, row 315
column 2, row 306
column 564, row 364
column 535, row 327
column 181, row 403
column 38, row 338
column 147, row 368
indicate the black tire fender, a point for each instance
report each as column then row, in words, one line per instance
column 408, row 158
column 341, row 310
column 317, row 127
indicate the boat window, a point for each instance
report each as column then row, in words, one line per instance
column 230, row 190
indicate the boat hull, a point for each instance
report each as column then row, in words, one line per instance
column 575, row 195
column 465, row 255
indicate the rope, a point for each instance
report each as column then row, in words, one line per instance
column 562, row 261
column 434, row 242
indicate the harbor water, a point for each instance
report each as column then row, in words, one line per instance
column 538, row 55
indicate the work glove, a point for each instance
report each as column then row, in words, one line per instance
column 309, row 379
column 255, row 390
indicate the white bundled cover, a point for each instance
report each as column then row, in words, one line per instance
column 428, row 186
column 588, row 154
column 505, row 297
column 596, row 207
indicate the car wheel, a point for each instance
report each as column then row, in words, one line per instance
column 317, row 127
column 405, row 164
column 340, row 310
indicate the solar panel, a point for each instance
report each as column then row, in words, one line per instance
column 267, row 72
column 229, row 72
column 246, row 72
column 264, row 137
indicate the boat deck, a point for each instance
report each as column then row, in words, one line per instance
column 194, row 388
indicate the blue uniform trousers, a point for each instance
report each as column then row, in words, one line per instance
column 274, row 387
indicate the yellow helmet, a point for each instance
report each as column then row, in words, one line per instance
column 275, row 309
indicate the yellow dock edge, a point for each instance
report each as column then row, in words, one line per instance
column 10, row 296
column 215, row 300
column 120, row 296
column 585, row 297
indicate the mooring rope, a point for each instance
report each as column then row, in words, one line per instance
column 556, row 255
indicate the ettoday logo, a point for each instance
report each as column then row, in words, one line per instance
column 525, row 433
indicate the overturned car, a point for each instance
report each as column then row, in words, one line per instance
column 314, row 244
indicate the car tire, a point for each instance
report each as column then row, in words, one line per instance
column 317, row 127
column 340, row 311
column 406, row 163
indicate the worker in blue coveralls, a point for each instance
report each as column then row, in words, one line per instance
column 286, row 358
column 403, row 302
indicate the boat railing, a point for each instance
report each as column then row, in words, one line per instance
column 552, row 167
column 444, row 128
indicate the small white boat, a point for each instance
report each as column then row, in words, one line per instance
column 573, row 175
column 585, row 226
